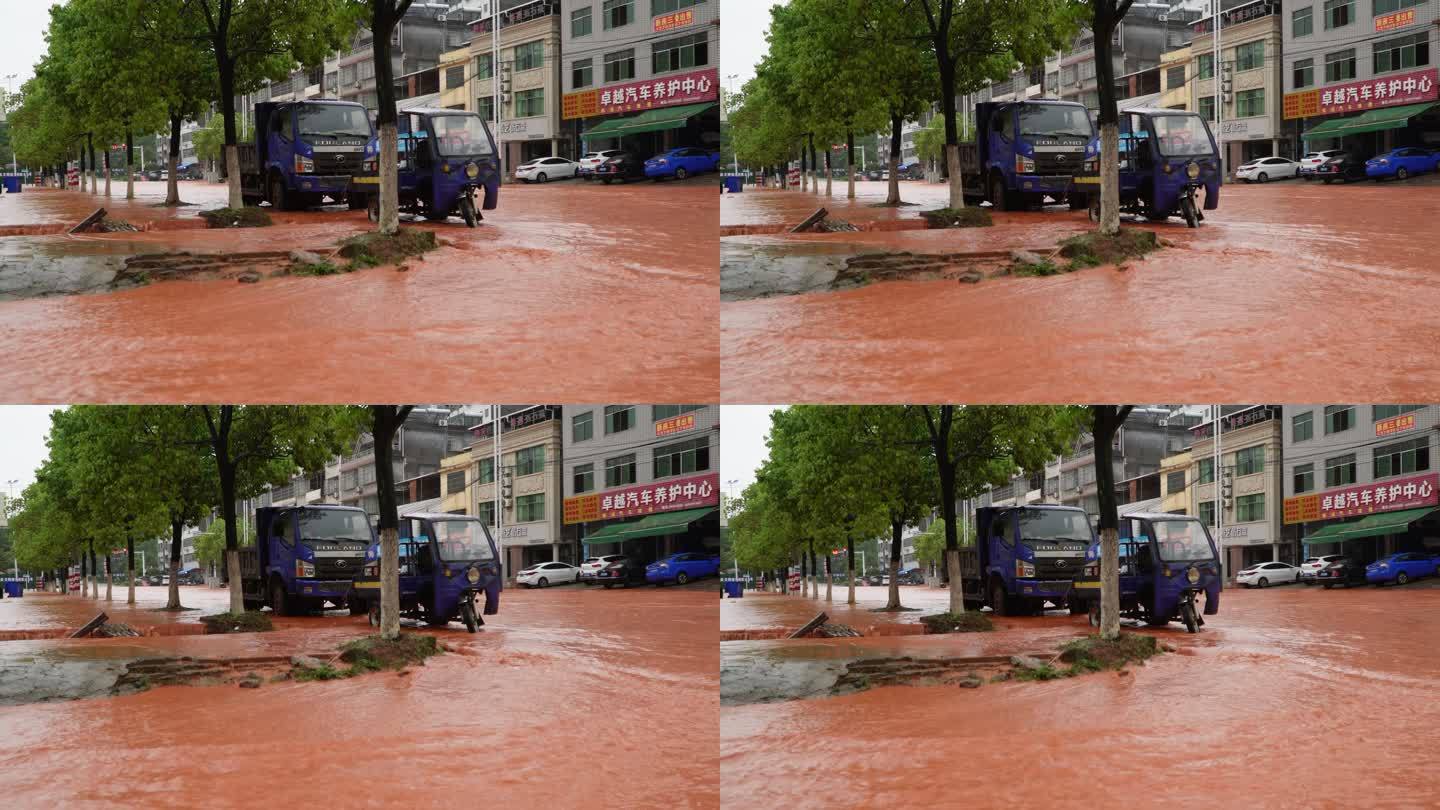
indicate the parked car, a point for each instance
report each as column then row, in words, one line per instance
column 681, row 568
column 1401, row 163
column 1311, row 568
column 1263, row 575
column 1344, row 167
column 543, row 575
column 1401, row 568
column 592, row 566
column 1312, row 160
column 541, row 170
column 873, row 174
column 590, row 160
column 153, row 174
column 623, row 572
column 1342, row 571
column 622, row 167
column 681, row 163
column 1263, row 170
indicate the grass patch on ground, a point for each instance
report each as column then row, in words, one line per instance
column 324, row 672
column 373, row 653
column 1044, row 267
column 251, row 621
column 1094, row 654
column 1092, row 249
column 974, row 217
column 375, row 249
column 320, row 268
column 1045, row 672
column 968, row 622
column 247, row 217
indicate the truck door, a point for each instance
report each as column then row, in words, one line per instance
column 282, row 137
column 282, row 545
column 1002, row 544
column 1000, row 152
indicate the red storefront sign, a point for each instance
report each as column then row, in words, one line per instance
column 1365, row 499
column 675, row 424
column 679, row 19
column 1389, row 22
column 1413, row 87
column 645, row 499
column 1395, row 424
column 661, row 91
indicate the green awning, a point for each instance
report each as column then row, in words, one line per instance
column 1370, row 526
column 1369, row 121
column 648, row 121
column 657, row 525
column 1326, row 534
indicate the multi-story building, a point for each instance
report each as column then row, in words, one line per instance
column 1250, row 92
column 1151, row 433
column 526, row 522
column 430, row 434
column 1361, row 75
column 642, row 480
column 1175, row 483
column 1362, row 480
column 641, row 74
column 1249, row 485
column 529, row 74
column 1175, row 74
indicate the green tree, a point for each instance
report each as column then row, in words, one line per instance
column 1105, row 15
column 1105, row 421
column 383, row 16
column 385, row 422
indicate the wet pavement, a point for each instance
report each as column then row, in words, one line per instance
column 1326, row 694
column 566, row 276
column 1272, row 267
column 569, row 697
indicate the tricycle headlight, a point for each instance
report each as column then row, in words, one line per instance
column 473, row 574
column 1192, row 170
column 472, row 171
column 1193, row 574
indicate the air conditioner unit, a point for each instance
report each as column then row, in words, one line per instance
column 504, row 97
column 1163, row 422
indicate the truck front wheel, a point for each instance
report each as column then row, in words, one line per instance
column 998, row 199
column 279, row 197
column 997, row 598
column 279, row 600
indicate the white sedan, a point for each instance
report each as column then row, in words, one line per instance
column 1263, row 575
column 543, row 575
column 543, row 169
column 1265, row 169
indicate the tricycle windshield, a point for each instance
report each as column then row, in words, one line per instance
column 334, row 120
column 1181, row 135
column 461, row 136
column 463, row 541
column 334, row 524
column 1055, row 120
column 1053, row 525
column 1182, row 541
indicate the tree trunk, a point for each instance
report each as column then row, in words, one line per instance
column 387, row 420
column 1107, row 419
column 172, row 187
column 804, row 579
column 84, row 578
column 129, row 164
column 173, row 601
column 226, row 67
column 814, row 166
column 957, row 588
column 957, row 187
column 892, row 197
column 850, row 163
column 94, row 568
column 1109, row 179
column 109, row 578
column 895, row 551
column 94, row 171
column 804, row 169
column 814, row 572
column 83, row 174
column 130, row 570
column 1109, row 583
column 107, row 170
column 1108, row 116
column 829, row 174
column 850, row 565
column 829, row 576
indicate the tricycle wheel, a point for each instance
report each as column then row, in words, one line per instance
column 1094, row 613
column 1187, row 210
column 374, row 614
column 467, row 210
column 1187, row 615
column 467, row 614
column 1094, row 212
column 372, row 207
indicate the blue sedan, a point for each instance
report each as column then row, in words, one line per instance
column 681, row 568
column 681, row 163
column 1401, row 568
column 1401, row 163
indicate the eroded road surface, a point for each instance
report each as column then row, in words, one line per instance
column 568, row 698
column 1276, row 266
column 566, row 276
column 1333, row 687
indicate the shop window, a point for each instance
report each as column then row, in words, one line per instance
column 659, row 412
column 1302, row 426
column 1207, row 513
column 1250, row 103
column 1403, row 457
column 1340, row 470
column 529, row 55
column 584, row 478
column 681, row 53
column 1206, row 472
column 619, row 13
column 1388, row 411
column 1340, row 65
column 1205, row 66
column 683, row 457
column 454, row 77
column 582, row 73
column 1388, row 6
column 1302, row 22
column 1402, row 52
column 1304, row 476
column 1250, row 508
column 1303, row 73
column 455, row 482
column 620, row 65
column 620, row 470
column 1250, row 55
column 530, row 460
column 580, row 22
column 1250, row 460
column 530, row 103
column 582, row 426
column 1339, row 13
column 658, row 7
column 1339, row 418
column 619, row 418
column 530, row 508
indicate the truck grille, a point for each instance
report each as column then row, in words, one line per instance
column 327, row 163
column 1049, row 568
column 330, row 567
column 1059, row 162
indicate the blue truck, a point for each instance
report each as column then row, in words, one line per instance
column 305, row 556
column 1024, row 151
column 1025, row 556
column 305, row 151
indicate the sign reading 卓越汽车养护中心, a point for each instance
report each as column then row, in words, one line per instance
column 1364, row 499
column 1412, row 87
column 658, row 496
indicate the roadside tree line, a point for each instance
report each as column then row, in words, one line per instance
column 838, row 473
column 116, row 474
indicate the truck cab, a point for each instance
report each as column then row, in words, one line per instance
column 1025, row 556
column 305, row 151
column 304, row 556
column 1026, row 150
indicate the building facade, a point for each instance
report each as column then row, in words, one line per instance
column 642, row 480
column 528, row 71
column 1362, row 480
column 1175, row 483
column 1150, row 434
column 1175, row 75
column 1250, row 85
column 1249, row 487
column 641, row 74
column 1360, row 74
column 526, row 521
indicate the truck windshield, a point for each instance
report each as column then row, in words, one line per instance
column 334, row 524
column 1054, row 525
column 461, row 136
column 1055, row 120
column 1181, row 135
column 1182, row 541
column 463, row 541
column 334, row 120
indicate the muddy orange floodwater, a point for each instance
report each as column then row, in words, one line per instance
column 1247, row 302
column 570, row 697
column 582, row 285
column 1289, row 697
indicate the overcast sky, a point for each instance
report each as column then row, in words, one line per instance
column 25, row 24
column 742, row 38
column 742, row 444
column 23, row 429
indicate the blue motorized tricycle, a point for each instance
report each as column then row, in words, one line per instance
column 446, row 561
column 1166, row 158
column 445, row 158
column 1166, row 562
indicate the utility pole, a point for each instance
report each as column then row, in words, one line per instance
column 1219, row 80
